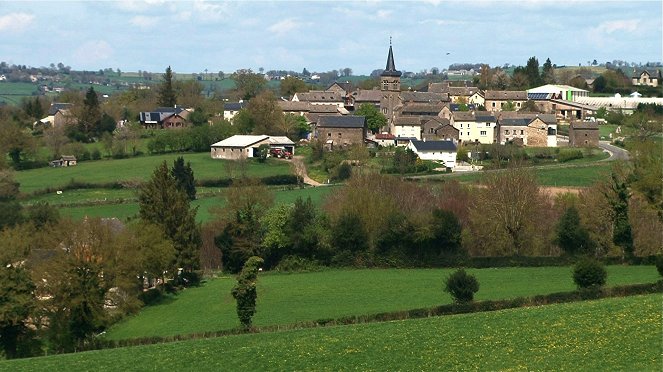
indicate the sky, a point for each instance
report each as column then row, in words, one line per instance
column 192, row 36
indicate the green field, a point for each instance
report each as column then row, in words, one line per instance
column 580, row 175
column 211, row 198
column 139, row 169
column 289, row 298
column 604, row 335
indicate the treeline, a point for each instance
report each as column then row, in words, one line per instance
column 385, row 221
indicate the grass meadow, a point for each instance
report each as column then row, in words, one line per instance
column 608, row 334
column 210, row 198
column 140, row 169
column 289, row 298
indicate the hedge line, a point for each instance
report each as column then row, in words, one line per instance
column 277, row 180
column 450, row 309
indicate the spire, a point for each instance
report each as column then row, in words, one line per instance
column 390, row 70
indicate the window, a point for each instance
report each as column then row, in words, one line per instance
column 339, row 134
column 487, row 125
column 518, row 104
column 483, row 132
column 506, row 131
column 461, row 125
column 493, row 104
column 522, row 132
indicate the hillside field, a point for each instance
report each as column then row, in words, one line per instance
column 140, row 169
column 205, row 204
column 608, row 334
column 289, row 298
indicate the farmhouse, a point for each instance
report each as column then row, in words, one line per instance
column 238, row 147
column 474, row 126
column 444, row 151
column 230, row 109
column 341, row 131
column 651, row 77
column 59, row 115
column 165, row 117
column 536, row 130
column 495, row 100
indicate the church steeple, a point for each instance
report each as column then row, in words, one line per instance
column 390, row 78
column 390, row 70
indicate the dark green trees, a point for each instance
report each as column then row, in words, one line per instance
column 183, row 175
column 17, row 304
column 245, row 292
column 167, row 97
column 164, row 204
column 462, row 286
column 572, row 236
column 622, row 234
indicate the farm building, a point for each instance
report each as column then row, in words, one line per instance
column 583, row 134
column 64, row 161
column 238, row 147
column 246, row 146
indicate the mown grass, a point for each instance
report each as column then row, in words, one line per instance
column 580, row 175
column 139, row 169
column 206, row 204
column 608, row 334
column 285, row 299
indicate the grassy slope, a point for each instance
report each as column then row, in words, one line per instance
column 140, row 168
column 609, row 334
column 204, row 204
column 576, row 176
column 284, row 299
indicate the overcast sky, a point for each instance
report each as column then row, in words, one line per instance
column 192, row 36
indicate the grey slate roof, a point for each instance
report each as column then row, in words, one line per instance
column 347, row 121
column 434, row 145
column 55, row 107
column 424, row 97
column 233, row 106
column 319, row 96
column 515, row 122
column 390, row 69
column 288, row 106
column 520, row 95
column 407, row 120
column 367, row 95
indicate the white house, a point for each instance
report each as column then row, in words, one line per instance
column 444, row 151
column 230, row 109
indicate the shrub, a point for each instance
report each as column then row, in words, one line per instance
column 297, row 264
column 462, row 286
column 659, row 264
column 568, row 155
column 589, row 273
column 343, row 172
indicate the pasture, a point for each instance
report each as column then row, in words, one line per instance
column 290, row 298
column 73, row 203
column 141, row 169
column 608, row 334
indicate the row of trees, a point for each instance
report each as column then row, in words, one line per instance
column 381, row 220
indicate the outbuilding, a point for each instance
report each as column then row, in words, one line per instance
column 238, row 147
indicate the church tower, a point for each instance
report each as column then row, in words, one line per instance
column 390, row 86
column 390, row 79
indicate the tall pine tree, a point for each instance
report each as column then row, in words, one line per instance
column 164, row 204
column 167, row 97
column 183, row 175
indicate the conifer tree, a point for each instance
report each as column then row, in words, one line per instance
column 183, row 175
column 167, row 97
column 164, row 204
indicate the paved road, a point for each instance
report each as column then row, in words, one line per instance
column 616, row 153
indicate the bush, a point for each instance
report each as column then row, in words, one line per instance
column 297, row 264
column 462, row 286
column 659, row 264
column 343, row 172
column 568, row 155
column 589, row 273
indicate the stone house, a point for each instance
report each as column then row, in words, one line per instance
column 528, row 129
column 438, row 129
column 650, row 77
column 320, row 97
column 341, row 131
column 495, row 100
column 165, row 118
column 475, row 126
column 583, row 134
